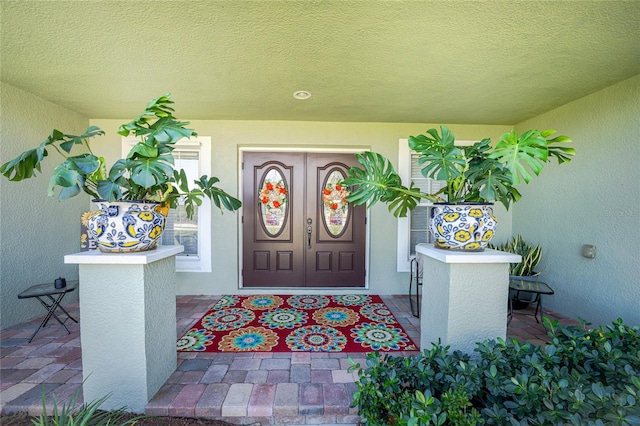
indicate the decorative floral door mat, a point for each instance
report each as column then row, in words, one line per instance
column 278, row 323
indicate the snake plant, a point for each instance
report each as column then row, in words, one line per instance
column 531, row 256
column 478, row 173
column 146, row 174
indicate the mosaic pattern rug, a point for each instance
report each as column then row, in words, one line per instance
column 280, row 323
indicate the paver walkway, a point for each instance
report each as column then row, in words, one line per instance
column 266, row 388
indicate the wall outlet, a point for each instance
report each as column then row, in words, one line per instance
column 589, row 251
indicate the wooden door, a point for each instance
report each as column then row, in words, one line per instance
column 298, row 231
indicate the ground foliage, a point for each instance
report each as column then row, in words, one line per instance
column 72, row 413
column 23, row 419
column 581, row 377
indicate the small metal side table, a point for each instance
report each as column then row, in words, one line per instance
column 415, row 287
column 45, row 294
column 538, row 288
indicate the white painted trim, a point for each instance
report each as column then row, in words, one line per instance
column 342, row 149
column 96, row 257
column 403, row 261
column 324, row 149
column 451, row 256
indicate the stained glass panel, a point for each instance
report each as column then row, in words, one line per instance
column 273, row 202
column 334, row 204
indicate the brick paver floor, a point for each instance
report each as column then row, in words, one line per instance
column 266, row 388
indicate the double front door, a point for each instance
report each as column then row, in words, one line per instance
column 298, row 230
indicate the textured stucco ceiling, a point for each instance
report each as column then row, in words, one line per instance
column 491, row 62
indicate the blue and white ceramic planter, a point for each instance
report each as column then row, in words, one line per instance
column 462, row 227
column 126, row 226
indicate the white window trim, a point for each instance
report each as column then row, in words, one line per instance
column 404, row 223
column 201, row 263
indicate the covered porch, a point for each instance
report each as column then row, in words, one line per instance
column 265, row 388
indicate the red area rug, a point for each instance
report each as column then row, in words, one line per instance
column 277, row 323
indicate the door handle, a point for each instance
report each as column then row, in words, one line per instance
column 309, row 232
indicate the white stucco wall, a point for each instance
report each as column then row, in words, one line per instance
column 593, row 200
column 228, row 136
column 36, row 230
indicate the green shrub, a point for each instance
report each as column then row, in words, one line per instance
column 581, row 377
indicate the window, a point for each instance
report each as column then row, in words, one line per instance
column 413, row 229
column 194, row 156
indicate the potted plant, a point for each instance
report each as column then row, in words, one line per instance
column 525, row 270
column 137, row 192
column 476, row 176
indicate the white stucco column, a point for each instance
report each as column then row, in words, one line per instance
column 464, row 296
column 127, row 324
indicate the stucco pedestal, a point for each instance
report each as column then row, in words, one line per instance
column 464, row 296
column 127, row 324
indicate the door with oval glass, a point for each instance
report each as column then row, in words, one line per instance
column 298, row 230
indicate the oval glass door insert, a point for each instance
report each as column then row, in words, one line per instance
column 334, row 203
column 273, row 202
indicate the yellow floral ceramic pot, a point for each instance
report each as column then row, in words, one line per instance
column 463, row 227
column 126, row 226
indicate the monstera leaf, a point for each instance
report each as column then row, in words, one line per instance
column 147, row 173
column 26, row 164
column 191, row 198
column 150, row 172
column 522, row 155
column 71, row 140
column 71, row 176
column 562, row 153
column 442, row 159
column 470, row 173
column 378, row 181
column 157, row 125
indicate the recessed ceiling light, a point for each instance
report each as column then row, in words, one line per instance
column 301, row 94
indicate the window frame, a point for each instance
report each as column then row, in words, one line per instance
column 404, row 255
column 201, row 144
column 403, row 261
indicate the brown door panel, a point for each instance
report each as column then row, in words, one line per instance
column 272, row 259
column 320, row 242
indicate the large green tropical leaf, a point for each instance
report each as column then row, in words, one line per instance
column 100, row 173
column 142, row 150
column 489, row 182
column 72, row 174
column 63, row 176
column 71, row 140
column 444, row 161
column 157, row 125
column 378, row 181
column 169, row 131
column 119, row 169
column 405, row 201
column 156, row 108
column 109, row 190
column 562, row 153
column 26, row 164
column 84, row 163
column 522, row 154
column 193, row 197
column 148, row 172
column 180, row 177
column 217, row 195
